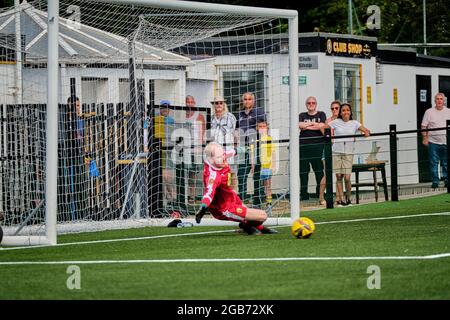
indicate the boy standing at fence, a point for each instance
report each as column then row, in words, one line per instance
column 266, row 155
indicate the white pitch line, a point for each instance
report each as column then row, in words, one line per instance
column 219, row 231
column 387, row 218
column 428, row 257
column 120, row 239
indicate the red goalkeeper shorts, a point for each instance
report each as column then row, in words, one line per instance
column 235, row 212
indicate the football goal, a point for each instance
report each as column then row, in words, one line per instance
column 106, row 107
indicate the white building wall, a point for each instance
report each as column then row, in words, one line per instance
column 172, row 85
column 278, row 96
column 403, row 114
column 7, row 83
column 385, row 112
column 319, row 83
column 35, row 86
column 201, row 90
column 107, row 90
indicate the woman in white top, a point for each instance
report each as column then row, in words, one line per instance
column 335, row 107
column 223, row 129
column 343, row 150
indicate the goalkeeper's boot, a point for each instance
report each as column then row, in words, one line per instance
column 249, row 229
column 200, row 213
column 199, row 216
column 266, row 230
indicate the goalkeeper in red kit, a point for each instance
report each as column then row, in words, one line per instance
column 221, row 200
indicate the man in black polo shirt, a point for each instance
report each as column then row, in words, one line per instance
column 311, row 124
column 248, row 118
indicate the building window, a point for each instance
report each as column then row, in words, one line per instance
column 347, row 87
column 236, row 80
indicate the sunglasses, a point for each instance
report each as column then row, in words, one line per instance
column 336, row 108
column 219, row 102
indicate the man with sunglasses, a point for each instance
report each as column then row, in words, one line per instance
column 223, row 131
column 311, row 125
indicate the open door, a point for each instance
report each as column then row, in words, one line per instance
column 423, row 102
column 444, row 87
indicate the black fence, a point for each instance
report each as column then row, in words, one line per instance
column 393, row 135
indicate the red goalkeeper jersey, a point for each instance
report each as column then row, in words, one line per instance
column 218, row 196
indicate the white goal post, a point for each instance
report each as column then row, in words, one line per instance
column 100, row 119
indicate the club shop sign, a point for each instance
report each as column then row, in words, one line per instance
column 349, row 48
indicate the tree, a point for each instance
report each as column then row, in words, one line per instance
column 401, row 20
column 6, row 3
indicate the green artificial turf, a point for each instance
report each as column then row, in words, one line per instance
column 400, row 278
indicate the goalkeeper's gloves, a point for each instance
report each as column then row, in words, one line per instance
column 200, row 213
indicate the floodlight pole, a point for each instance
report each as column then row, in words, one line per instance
column 425, row 26
column 350, row 17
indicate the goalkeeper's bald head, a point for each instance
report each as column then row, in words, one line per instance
column 216, row 155
column 213, row 151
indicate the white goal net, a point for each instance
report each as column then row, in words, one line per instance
column 136, row 86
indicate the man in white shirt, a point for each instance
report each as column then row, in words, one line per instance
column 436, row 117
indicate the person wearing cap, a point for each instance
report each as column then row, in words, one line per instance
column 248, row 119
column 223, row 131
column 164, row 122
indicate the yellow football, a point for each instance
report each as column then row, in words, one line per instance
column 303, row 228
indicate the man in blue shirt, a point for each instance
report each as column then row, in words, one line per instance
column 248, row 118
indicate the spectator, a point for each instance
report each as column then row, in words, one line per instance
column 164, row 126
column 198, row 126
column 248, row 117
column 266, row 156
column 77, row 156
column 335, row 108
column 223, row 131
column 76, row 117
column 436, row 140
column 222, row 202
column 343, row 150
column 311, row 124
